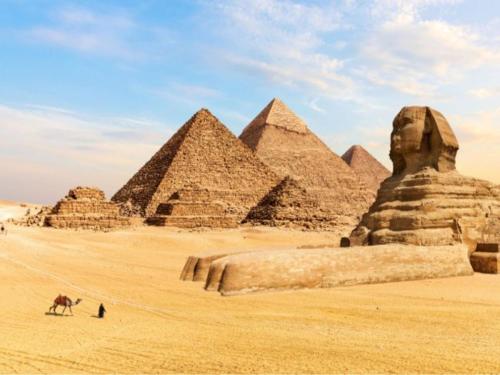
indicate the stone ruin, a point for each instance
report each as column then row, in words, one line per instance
column 289, row 205
column 34, row 217
column 426, row 221
column 206, row 177
column 286, row 145
column 272, row 270
column 86, row 208
column 202, row 177
column 426, row 201
column 369, row 170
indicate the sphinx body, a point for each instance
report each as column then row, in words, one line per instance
column 426, row 201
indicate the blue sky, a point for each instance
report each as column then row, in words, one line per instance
column 91, row 89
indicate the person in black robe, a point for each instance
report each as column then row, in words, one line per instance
column 102, row 310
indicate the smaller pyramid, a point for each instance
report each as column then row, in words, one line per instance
column 289, row 204
column 86, row 208
column 369, row 170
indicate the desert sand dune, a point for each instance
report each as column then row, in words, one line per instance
column 157, row 323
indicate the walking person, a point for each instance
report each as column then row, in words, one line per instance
column 101, row 312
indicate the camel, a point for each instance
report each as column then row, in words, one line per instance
column 64, row 301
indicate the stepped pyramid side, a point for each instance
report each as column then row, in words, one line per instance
column 304, row 157
column 369, row 170
column 289, row 204
column 139, row 190
column 86, row 208
column 202, row 164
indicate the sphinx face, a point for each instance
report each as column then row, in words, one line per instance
column 408, row 131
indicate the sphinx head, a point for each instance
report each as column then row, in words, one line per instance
column 421, row 137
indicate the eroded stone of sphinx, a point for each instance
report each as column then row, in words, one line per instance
column 86, row 208
column 426, row 201
column 325, row 268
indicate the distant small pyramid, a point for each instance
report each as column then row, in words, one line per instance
column 201, row 164
column 368, row 169
column 286, row 145
column 289, row 204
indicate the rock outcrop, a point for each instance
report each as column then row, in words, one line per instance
column 203, row 176
column 86, row 208
column 286, row 145
column 369, row 170
column 326, row 268
column 426, row 201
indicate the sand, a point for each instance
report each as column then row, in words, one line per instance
column 13, row 210
column 158, row 324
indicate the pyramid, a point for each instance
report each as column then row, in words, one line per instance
column 369, row 170
column 285, row 144
column 289, row 204
column 203, row 176
column 86, row 208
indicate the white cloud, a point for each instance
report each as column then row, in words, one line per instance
column 106, row 33
column 484, row 92
column 59, row 148
column 479, row 139
column 282, row 41
column 419, row 56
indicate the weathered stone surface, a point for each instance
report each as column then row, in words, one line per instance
column 369, row 170
column 196, row 267
column 485, row 262
column 86, row 208
column 325, row 268
column 289, row 204
column 203, row 164
column 422, row 137
column 285, row 144
column 426, row 201
column 33, row 218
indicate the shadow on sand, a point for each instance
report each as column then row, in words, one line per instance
column 56, row 314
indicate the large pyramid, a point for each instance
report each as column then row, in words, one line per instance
column 369, row 170
column 203, row 171
column 284, row 142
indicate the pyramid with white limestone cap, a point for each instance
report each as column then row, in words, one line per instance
column 288, row 147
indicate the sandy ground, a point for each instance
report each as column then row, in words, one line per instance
column 157, row 323
column 14, row 210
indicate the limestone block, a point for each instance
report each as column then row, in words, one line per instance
column 196, row 267
column 485, row 262
column 325, row 268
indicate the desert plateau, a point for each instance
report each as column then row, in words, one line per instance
column 157, row 323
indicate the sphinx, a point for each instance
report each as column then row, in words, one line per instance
column 426, row 201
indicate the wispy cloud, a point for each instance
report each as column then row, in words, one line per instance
column 67, row 148
column 485, row 92
column 418, row 56
column 110, row 33
column 283, row 41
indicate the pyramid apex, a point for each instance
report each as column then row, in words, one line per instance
column 278, row 114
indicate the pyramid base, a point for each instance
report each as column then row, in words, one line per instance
column 80, row 221
column 194, row 221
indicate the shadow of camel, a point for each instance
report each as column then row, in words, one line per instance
column 55, row 314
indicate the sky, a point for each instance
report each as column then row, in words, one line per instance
column 89, row 90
